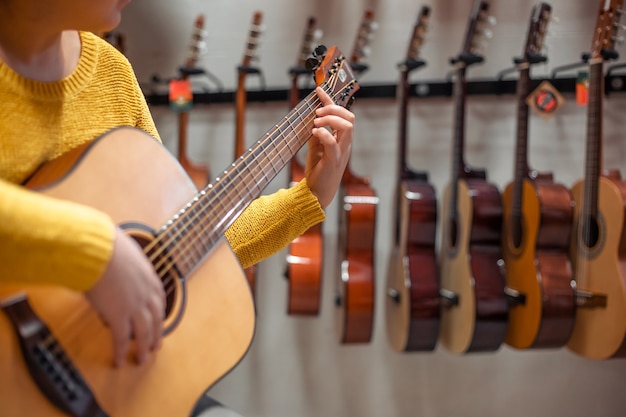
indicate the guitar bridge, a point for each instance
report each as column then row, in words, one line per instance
column 47, row 362
column 449, row 298
column 587, row 299
column 514, row 297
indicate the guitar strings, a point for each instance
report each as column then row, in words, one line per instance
column 188, row 220
column 185, row 221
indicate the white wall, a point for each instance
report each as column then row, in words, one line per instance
column 295, row 366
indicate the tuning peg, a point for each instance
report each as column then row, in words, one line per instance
column 317, row 34
column 487, row 33
column 373, row 26
column 320, row 51
column 619, row 26
column 554, row 19
column 491, row 20
column 311, row 63
column 366, row 50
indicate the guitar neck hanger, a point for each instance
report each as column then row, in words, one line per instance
column 249, row 70
column 531, row 59
column 467, row 59
column 411, row 64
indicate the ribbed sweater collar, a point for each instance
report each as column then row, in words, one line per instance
column 65, row 88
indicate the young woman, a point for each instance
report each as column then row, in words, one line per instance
column 62, row 86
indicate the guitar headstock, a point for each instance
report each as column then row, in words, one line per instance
column 312, row 36
column 607, row 27
column 252, row 44
column 419, row 30
column 334, row 74
column 477, row 31
column 364, row 36
column 537, row 29
column 197, row 46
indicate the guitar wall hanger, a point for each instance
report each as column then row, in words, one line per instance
column 253, row 71
column 467, row 59
column 409, row 65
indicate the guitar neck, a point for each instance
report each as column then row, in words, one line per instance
column 240, row 114
column 593, row 164
column 243, row 70
column 458, row 148
column 403, row 94
column 521, row 147
column 201, row 224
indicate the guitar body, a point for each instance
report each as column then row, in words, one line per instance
column 412, row 309
column 600, row 332
column 539, row 267
column 304, row 264
column 218, row 321
column 471, row 269
column 355, row 278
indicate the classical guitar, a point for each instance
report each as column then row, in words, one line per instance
column 358, row 202
column 306, row 252
column 537, row 216
column 55, row 355
column 599, row 236
column 474, row 307
column 412, row 304
column 198, row 173
column 243, row 70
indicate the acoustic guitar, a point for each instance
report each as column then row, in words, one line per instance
column 306, row 252
column 536, row 230
column 243, row 70
column 474, row 308
column 598, row 236
column 358, row 202
column 56, row 357
column 198, row 173
column 412, row 303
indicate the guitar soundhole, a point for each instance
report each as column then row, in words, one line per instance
column 165, row 268
column 590, row 232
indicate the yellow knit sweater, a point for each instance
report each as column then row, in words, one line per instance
column 46, row 240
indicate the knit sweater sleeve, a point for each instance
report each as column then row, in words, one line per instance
column 47, row 241
column 271, row 222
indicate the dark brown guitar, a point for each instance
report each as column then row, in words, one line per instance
column 358, row 202
column 306, row 252
column 243, row 71
column 537, row 222
column 599, row 233
column 412, row 304
column 474, row 311
column 199, row 174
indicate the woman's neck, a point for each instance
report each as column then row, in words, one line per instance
column 35, row 53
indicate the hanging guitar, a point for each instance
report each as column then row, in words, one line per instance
column 199, row 174
column 474, row 307
column 537, row 225
column 56, row 355
column 243, row 71
column 358, row 202
column 599, row 236
column 306, row 252
column 412, row 304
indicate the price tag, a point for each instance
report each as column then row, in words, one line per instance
column 181, row 96
column 545, row 100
